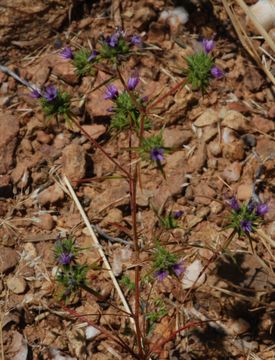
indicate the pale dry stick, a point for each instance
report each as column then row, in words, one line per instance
column 98, row 247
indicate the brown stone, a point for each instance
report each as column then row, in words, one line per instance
column 8, row 259
column 9, row 127
column 50, row 195
column 74, row 161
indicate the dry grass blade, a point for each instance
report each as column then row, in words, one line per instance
column 98, row 246
column 245, row 39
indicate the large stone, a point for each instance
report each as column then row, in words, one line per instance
column 8, row 259
column 74, row 161
column 9, row 127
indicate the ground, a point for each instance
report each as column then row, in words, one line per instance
column 221, row 145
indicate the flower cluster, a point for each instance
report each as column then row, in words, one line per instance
column 152, row 148
column 82, row 59
column 71, row 275
column 201, row 66
column 165, row 263
column 53, row 101
column 118, row 44
column 125, row 111
column 246, row 217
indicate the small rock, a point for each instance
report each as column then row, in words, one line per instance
column 244, row 191
column 176, row 137
column 237, row 327
column 232, row 172
column 95, row 130
column 8, row 259
column 74, row 161
column 234, row 120
column 215, row 148
column 91, row 332
column 43, row 137
column 191, row 275
column 9, row 127
column 45, row 221
column 197, row 161
column 216, row 207
column 17, row 284
column 262, row 124
column 65, row 70
column 208, row 117
column 41, row 74
column 209, row 133
column 203, row 193
column 50, row 195
column 234, row 151
column 249, row 140
column 114, row 216
column 265, row 148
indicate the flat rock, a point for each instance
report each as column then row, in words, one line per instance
column 208, row 117
column 234, row 120
column 50, row 195
column 232, row 173
column 17, row 284
column 74, row 161
column 176, row 137
column 262, row 124
column 95, row 130
column 9, row 127
column 45, row 222
column 244, row 191
column 8, row 259
column 265, row 148
column 197, row 161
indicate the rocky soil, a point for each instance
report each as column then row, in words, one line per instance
column 223, row 146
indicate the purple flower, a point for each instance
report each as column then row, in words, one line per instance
column 233, row 202
column 50, row 93
column 135, row 40
column 111, row 92
column 144, row 99
column 93, row 55
column 261, row 209
column 161, row 274
column 208, row 45
column 178, row 268
column 65, row 258
column 67, row 53
column 177, row 214
column 216, row 72
column 110, row 109
column 246, row 225
column 133, row 81
column 35, row 94
column 156, row 154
